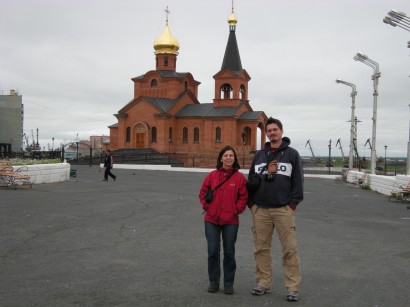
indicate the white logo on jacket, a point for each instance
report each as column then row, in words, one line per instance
column 283, row 169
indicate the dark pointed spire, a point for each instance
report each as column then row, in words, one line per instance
column 232, row 59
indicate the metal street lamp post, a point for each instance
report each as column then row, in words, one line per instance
column 352, row 120
column 77, row 151
column 329, row 163
column 408, row 153
column 375, row 77
column 396, row 18
column 385, row 161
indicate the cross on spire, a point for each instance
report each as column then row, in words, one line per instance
column 167, row 11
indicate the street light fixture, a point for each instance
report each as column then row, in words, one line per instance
column 399, row 19
column 352, row 120
column 375, row 77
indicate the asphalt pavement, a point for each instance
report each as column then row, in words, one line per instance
column 139, row 241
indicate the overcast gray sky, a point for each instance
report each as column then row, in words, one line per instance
column 73, row 62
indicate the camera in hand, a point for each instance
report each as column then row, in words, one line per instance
column 270, row 177
column 272, row 169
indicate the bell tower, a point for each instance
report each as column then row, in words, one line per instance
column 231, row 82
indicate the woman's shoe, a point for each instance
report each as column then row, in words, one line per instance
column 213, row 288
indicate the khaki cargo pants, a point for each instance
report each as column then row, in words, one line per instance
column 265, row 220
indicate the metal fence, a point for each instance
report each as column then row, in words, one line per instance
column 390, row 167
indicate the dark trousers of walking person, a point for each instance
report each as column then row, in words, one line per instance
column 107, row 173
column 229, row 234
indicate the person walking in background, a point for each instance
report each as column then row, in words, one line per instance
column 108, row 164
column 221, row 216
column 273, row 206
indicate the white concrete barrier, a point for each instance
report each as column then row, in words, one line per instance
column 46, row 173
column 381, row 184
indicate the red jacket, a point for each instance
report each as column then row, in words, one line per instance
column 229, row 199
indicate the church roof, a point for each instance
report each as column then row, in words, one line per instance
column 164, row 74
column 208, row 110
column 254, row 115
column 162, row 103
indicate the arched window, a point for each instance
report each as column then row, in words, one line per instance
column 154, row 135
column 226, row 91
column 186, row 84
column 128, row 135
column 196, row 135
column 246, row 136
column 185, row 135
column 218, row 138
column 154, row 82
column 166, row 61
column 242, row 92
column 170, row 134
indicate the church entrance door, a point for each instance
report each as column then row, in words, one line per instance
column 140, row 140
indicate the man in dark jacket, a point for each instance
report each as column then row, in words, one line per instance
column 108, row 164
column 273, row 206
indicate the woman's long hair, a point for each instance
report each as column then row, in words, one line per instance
column 221, row 153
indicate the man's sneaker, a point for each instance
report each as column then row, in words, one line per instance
column 258, row 290
column 228, row 290
column 213, row 288
column 292, row 296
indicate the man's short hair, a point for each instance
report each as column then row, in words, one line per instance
column 272, row 120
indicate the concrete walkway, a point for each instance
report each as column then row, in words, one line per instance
column 140, row 241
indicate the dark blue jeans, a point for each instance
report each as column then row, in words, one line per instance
column 213, row 236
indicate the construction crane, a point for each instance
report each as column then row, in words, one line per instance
column 310, row 147
column 368, row 142
column 32, row 137
column 341, row 149
column 27, row 147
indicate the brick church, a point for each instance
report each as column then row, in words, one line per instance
column 165, row 114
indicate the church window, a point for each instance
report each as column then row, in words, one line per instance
column 218, row 135
column 186, row 84
column 185, row 135
column 166, row 61
column 128, row 135
column 154, row 82
column 242, row 92
column 246, row 136
column 196, row 135
column 226, row 91
column 154, row 135
column 170, row 134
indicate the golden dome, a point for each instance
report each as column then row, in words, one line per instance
column 232, row 19
column 166, row 43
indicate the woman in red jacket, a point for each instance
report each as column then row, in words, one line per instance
column 221, row 216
